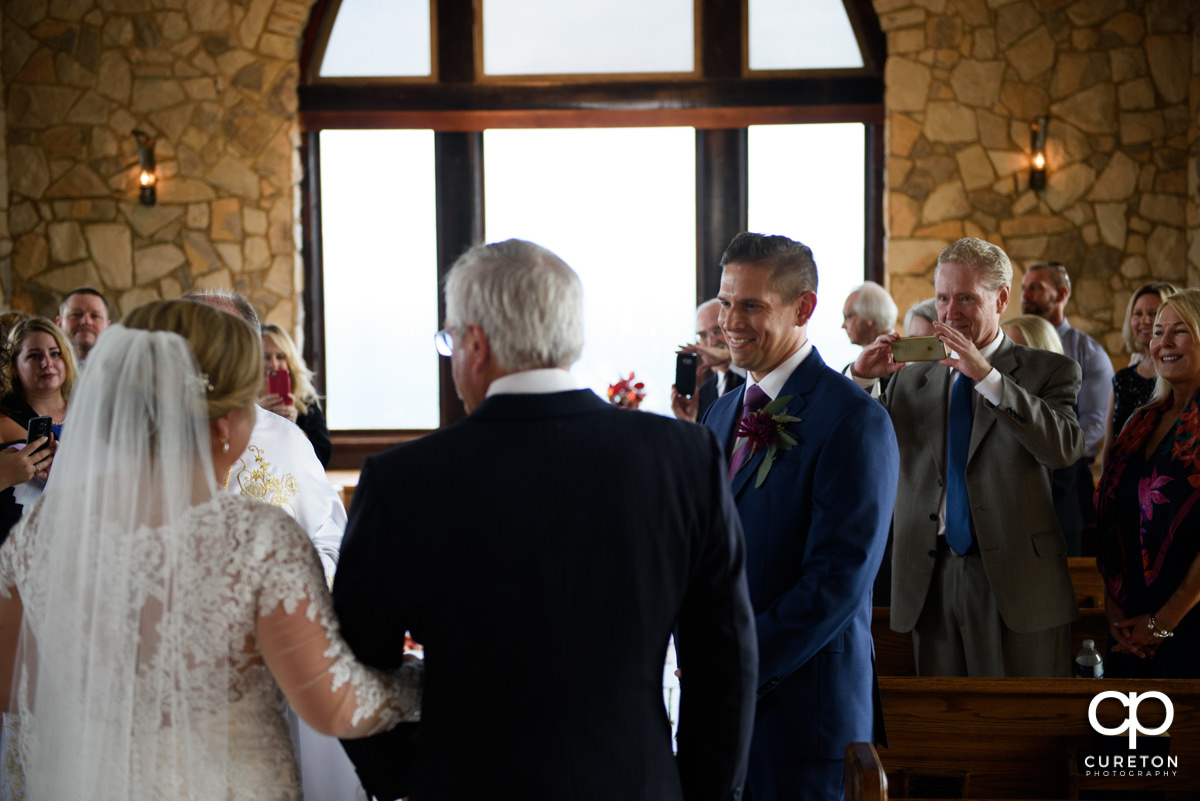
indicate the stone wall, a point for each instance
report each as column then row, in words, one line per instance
column 1120, row 81
column 214, row 81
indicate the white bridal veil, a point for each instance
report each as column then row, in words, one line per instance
column 123, row 670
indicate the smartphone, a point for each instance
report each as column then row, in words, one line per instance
column 918, row 349
column 38, row 427
column 685, row 374
column 279, row 382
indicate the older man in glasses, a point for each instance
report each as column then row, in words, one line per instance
column 543, row 563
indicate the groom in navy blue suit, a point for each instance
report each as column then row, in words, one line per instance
column 815, row 502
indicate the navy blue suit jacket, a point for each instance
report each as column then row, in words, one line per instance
column 542, row 549
column 815, row 535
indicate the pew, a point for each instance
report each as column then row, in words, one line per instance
column 865, row 778
column 894, row 654
column 1027, row 738
column 1089, row 587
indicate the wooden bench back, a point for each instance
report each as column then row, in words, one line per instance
column 1010, row 738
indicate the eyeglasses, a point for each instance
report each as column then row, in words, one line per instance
column 444, row 342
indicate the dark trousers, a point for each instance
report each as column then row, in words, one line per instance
column 770, row 777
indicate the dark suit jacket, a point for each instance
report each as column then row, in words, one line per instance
column 1014, row 446
column 815, row 535
column 708, row 391
column 542, row 550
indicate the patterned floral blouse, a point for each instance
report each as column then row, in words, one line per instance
column 1149, row 527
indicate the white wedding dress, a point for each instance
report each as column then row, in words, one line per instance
column 267, row 607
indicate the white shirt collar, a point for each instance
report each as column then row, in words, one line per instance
column 533, row 382
column 772, row 383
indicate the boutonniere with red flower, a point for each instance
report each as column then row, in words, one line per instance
column 767, row 429
column 626, row 393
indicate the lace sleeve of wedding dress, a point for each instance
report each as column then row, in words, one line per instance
column 300, row 641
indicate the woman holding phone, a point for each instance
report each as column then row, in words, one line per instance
column 38, row 373
column 287, row 382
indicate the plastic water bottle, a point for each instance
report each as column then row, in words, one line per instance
column 1088, row 662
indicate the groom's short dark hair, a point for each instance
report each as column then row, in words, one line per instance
column 792, row 269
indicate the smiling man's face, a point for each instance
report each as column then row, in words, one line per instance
column 966, row 304
column 761, row 328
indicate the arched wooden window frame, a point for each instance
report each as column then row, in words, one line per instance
column 720, row 100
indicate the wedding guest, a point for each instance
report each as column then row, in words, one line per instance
column 868, row 312
column 171, row 620
column 1148, row 515
column 279, row 466
column 1072, row 486
column 565, row 600
column 714, row 370
column 83, row 315
column 40, row 372
column 1045, row 290
column 983, row 594
column 919, row 320
column 19, row 461
column 301, row 405
column 815, row 508
column 1132, row 386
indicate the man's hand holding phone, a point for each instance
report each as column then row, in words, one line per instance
column 876, row 360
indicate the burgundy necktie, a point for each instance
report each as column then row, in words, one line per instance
column 754, row 400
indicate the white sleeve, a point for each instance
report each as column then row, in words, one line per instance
column 281, row 468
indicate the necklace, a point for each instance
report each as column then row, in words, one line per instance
column 228, row 473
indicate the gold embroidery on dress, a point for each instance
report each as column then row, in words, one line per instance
column 260, row 484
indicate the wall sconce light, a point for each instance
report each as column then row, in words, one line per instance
column 1037, row 138
column 146, row 177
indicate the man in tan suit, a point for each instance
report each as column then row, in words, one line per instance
column 979, row 567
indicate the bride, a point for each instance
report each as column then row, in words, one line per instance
column 163, row 623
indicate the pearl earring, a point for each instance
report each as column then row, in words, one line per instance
column 225, row 445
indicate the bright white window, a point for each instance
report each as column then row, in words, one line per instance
column 380, row 264
column 559, row 37
column 619, row 206
column 806, row 183
column 801, row 35
column 372, row 38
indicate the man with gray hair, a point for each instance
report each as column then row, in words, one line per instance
column 868, row 312
column 979, row 563
column 542, row 550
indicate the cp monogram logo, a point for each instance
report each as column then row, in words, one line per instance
column 1131, row 724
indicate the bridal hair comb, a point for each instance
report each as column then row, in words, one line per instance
column 201, row 383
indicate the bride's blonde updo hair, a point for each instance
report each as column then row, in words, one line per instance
column 225, row 348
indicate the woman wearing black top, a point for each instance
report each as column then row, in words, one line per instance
column 1133, row 385
column 18, row 462
column 301, row 405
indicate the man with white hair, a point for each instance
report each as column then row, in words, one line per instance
column 715, row 372
column 543, row 570
column 868, row 312
column 979, row 561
